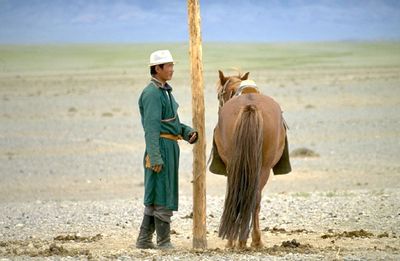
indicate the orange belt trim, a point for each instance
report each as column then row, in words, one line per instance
column 171, row 136
column 147, row 162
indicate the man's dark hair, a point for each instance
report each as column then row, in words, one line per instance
column 153, row 69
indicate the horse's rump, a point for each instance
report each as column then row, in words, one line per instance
column 273, row 129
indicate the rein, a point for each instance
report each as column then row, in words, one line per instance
column 223, row 91
column 221, row 94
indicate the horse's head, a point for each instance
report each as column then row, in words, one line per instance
column 228, row 85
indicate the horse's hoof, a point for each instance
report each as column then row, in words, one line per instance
column 230, row 245
column 242, row 246
column 257, row 245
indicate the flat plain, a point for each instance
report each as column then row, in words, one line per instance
column 71, row 150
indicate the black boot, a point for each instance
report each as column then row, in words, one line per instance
column 145, row 237
column 163, row 230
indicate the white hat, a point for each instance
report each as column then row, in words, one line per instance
column 248, row 83
column 160, row 57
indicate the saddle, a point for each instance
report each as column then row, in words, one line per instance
column 246, row 90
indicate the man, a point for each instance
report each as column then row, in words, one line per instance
column 162, row 128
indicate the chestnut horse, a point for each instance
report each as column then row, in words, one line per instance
column 250, row 139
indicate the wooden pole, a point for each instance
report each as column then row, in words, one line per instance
column 199, row 149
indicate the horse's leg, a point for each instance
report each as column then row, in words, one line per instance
column 242, row 244
column 256, row 235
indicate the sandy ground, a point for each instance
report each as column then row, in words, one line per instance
column 71, row 186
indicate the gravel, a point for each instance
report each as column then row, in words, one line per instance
column 108, row 228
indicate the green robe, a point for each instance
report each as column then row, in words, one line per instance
column 159, row 115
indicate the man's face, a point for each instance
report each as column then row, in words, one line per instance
column 165, row 73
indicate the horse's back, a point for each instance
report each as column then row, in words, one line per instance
column 269, row 108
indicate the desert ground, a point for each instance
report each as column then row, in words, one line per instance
column 71, row 150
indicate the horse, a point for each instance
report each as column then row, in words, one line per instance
column 250, row 139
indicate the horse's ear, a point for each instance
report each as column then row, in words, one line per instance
column 245, row 76
column 222, row 78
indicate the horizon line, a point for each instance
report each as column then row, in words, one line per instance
column 204, row 42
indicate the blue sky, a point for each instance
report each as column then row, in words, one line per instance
column 125, row 21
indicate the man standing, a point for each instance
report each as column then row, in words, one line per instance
column 162, row 128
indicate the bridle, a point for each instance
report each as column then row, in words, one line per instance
column 223, row 92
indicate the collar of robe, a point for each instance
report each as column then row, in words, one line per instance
column 160, row 85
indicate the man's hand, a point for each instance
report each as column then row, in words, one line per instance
column 193, row 137
column 157, row 168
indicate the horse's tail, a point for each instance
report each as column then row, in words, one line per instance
column 243, row 175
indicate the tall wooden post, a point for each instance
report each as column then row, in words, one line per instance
column 199, row 150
